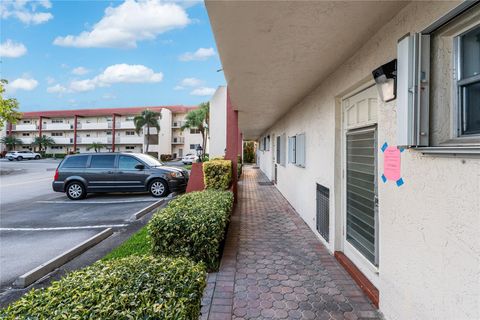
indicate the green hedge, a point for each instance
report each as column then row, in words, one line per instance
column 129, row 288
column 192, row 226
column 55, row 155
column 217, row 174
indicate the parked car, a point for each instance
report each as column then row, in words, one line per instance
column 189, row 158
column 80, row 174
column 22, row 155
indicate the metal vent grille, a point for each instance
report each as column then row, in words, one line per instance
column 265, row 183
column 323, row 211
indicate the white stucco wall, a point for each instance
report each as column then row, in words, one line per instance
column 429, row 227
column 165, row 134
column 218, row 122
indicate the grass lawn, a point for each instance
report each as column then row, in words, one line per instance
column 138, row 244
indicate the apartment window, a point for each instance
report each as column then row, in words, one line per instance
column 129, row 119
column 57, row 134
column 109, row 133
column 194, row 131
column 87, row 135
column 129, row 133
column 281, row 149
column 468, row 81
column 57, row 121
column 291, row 149
column 26, row 134
column 442, row 110
column 296, row 150
column 129, row 147
column 56, row 147
column 194, row 146
column 27, row 121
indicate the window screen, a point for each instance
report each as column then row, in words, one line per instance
column 291, row 149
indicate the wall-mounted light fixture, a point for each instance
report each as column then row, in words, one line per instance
column 386, row 80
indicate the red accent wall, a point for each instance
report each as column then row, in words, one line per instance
column 233, row 138
column 196, row 178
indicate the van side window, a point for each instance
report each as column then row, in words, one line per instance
column 127, row 163
column 75, row 162
column 103, row 162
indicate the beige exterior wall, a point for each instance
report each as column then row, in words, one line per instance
column 429, row 240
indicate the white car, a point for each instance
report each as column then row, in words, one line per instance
column 189, row 158
column 21, row 155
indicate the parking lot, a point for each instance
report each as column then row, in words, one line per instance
column 37, row 224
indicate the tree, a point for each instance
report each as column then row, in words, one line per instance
column 97, row 146
column 249, row 152
column 11, row 142
column 147, row 118
column 8, row 107
column 43, row 142
column 199, row 119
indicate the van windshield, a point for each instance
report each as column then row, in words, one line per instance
column 149, row 160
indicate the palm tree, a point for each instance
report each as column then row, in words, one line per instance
column 43, row 142
column 199, row 119
column 97, row 146
column 147, row 118
column 11, row 142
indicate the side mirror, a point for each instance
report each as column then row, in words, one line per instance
column 139, row 167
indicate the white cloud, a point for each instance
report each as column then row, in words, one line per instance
column 199, row 55
column 57, row 89
column 80, row 71
column 50, row 80
column 26, row 84
column 11, row 49
column 26, row 11
column 128, row 23
column 177, row 88
column 191, row 82
column 118, row 73
column 203, row 91
column 109, row 96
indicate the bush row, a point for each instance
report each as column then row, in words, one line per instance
column 137, row 287
column 217, row 174
column 192, row 226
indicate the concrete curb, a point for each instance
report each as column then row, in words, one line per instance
column 137, row 215
column 33, row 275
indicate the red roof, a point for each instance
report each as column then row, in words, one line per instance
column 104, row 112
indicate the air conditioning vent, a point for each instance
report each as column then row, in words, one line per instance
column 323, row 211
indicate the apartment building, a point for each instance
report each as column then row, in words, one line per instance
column 367, row 116
column 77, row 130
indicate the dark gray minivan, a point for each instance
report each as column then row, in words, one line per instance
column 80, row 174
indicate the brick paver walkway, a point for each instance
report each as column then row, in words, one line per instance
column 274, row 266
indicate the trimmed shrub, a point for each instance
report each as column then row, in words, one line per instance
column 239, row 166
column 129, row 288
column 217, row 174
column 192, row 226
column 217, row 158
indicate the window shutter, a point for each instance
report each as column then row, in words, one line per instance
column 283, row 147
column 300, row 150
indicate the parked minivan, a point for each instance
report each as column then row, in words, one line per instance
column 80, row 174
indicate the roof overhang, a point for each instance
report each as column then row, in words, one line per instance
column 275, row 53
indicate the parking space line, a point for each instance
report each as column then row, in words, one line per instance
column 65, row 228
column 96, row 201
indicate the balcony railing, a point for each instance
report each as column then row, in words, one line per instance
column 178, row 140
column 26, row 140
column 129, row 139
column 94, row 126
column 62, row 140
column 57, row 126
column 25, row 127
column 90, row 140
column 125, row 125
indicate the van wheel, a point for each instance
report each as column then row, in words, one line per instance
column 158, row 188
column 76, row 191
column 19, row 158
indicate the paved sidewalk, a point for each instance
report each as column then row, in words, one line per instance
column 274, row 266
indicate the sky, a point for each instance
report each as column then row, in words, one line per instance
column 99, row 54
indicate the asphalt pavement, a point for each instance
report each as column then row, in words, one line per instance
column 37, row 224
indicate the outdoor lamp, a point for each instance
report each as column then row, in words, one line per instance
column 386, row 80
column 199, row 153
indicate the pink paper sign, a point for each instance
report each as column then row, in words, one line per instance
column 391, row 163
